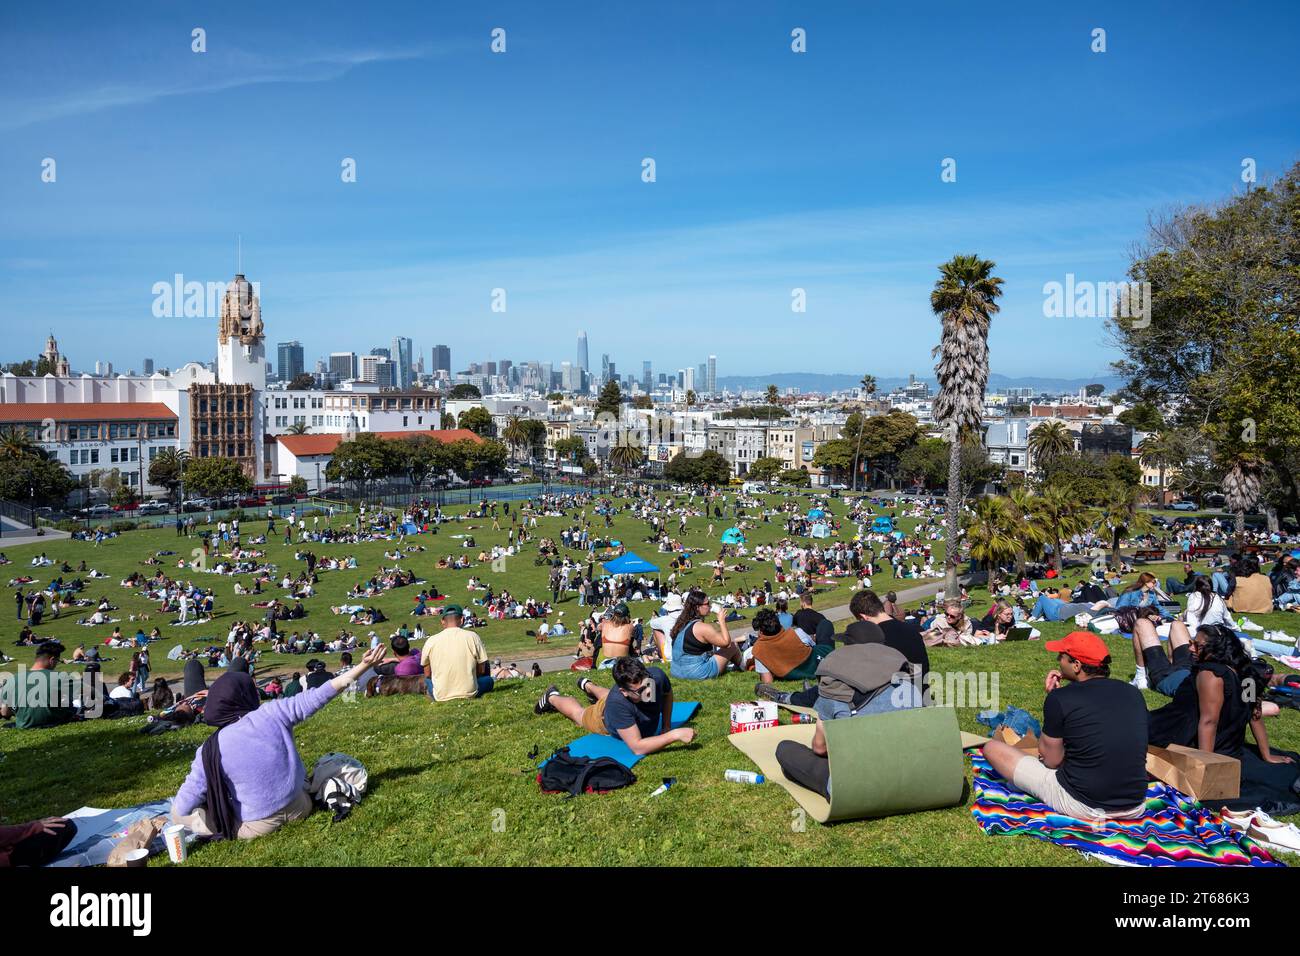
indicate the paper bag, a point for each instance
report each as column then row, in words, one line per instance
column 1200, row 774
column 1028, row 743
column 138, row 837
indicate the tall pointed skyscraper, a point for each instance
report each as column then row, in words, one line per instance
column 582, row 352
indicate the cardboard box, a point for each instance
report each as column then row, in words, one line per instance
column 1198, row 773
column 753, row 715
column 1028, row 743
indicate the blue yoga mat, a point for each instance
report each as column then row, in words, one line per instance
column 603, row 745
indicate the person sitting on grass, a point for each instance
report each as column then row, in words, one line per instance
column 1211, row 711
column 45, row 700
column 1091, row 761
column 783, row 653
column 615, row 633
column 857, row 680
column 35, row 843
column 1156, row 669
column 455, row 660
column 702, row 651
column 247, row 779
column 638, row 710
column 1049, row 608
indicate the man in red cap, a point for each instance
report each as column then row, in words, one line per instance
column 1091, row 761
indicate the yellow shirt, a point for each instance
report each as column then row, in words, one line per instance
column 452, row 656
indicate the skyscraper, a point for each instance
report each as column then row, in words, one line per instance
column 401, row 355
column 647, row 377
column 712, row 386
column 604, row 367
column 582, row 352
column 289, row 361
column 441, row 358
column 148, row 366
column 344, row 365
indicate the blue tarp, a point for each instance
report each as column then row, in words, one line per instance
column 629, row 564
column 882, row 523
column 820, row 530
column 732, row 536
column 409, row 528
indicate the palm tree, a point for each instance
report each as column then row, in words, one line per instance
column 1059, row 515
column 1161, row 450
column 626, row 456
column 16, row 443
column 1122, row 516
column 868, row 383
column 964, row 298
column 1048, row 442
column 1241, row 488
column 298, row 428
column 514, row 434
column 1029, row 534
column 168, row 470
column 690, row 398
column 992, row 535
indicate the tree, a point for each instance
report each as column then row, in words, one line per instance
column 1142, row 417
column 965, row 299
column 626, row 455
column 1220, row 339
column 476, row 419
column 868, row 383
column 882, row 438
column 447, row 420
column 479, row 459
column 297, row 485
column 217, row 477
column 835, row 456
column 572, row 449
column 534, row 436
column 1059, row 516
column 24, row 369
column 302, row 382
column 643, row 402
column 690, row 398
column 1162, row 450
column 1048, row 442
column 167, row 470
column 362, row 460
column 610, row 400
column 708, row 468
column 514, row 434
column 299, row 428
column 421, row 458
column 17, row 443
column 794, row 476
column 991, row 535
column 773, row 395
column 765, row 469
column 1241, row 488
column 464, row 390
column 1121, row 516
column 555, row 397
column 35, row 480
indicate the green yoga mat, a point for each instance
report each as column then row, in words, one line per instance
column 881, row 765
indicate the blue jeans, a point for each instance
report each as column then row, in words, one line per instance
column 903, row 696
column 485, row 684
column 1271, row 647
column 1220, row 582
column 1287, row 598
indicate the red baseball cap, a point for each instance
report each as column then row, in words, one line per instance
column 1084, row 646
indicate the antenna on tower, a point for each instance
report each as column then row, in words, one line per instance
column 239, row 254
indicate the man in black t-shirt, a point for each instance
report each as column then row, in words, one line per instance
column 872, row 623
column 806, row 619
column 637, row 710
column 1091, row 761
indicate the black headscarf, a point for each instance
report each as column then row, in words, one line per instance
column 239, row 665
column 231, row 696
column 194, row 679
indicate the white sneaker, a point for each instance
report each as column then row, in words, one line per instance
column 1247, row 625
column 1140, row 681
column 1274, row 835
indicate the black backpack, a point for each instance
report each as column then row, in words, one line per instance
column 567, row 774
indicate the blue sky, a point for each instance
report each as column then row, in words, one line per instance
column 522, row 171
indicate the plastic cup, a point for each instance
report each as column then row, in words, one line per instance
column 174, row 837
column 138, row 857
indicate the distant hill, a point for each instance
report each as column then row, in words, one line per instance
column 819, row 382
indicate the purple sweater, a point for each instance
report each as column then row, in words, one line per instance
column 258, row 757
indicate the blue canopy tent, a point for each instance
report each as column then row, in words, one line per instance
column 629, row 564
column 732, row 536
column 820, row 530
column 882, row 524
column 817, row 513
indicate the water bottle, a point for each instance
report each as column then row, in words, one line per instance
column 743, row 776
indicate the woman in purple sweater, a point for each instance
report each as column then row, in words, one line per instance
column 247, row 779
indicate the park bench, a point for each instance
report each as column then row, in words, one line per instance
column 1205, row 551
column 1149, row 554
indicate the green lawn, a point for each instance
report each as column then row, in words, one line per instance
column 453, row 784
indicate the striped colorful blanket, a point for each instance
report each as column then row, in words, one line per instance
column 1174, row 831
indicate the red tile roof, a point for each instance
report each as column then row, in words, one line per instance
column 306, row 445
column 84, row 411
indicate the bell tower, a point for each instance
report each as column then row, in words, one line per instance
column 241, row 352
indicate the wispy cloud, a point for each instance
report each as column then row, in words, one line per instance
column 233, row 71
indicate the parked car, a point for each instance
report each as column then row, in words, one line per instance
column 97, row 511
column 153, row 508
column 1183, row 506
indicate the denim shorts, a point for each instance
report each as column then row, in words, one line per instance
column 694, row 666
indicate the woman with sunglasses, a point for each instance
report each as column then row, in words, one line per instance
column 702, row 651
